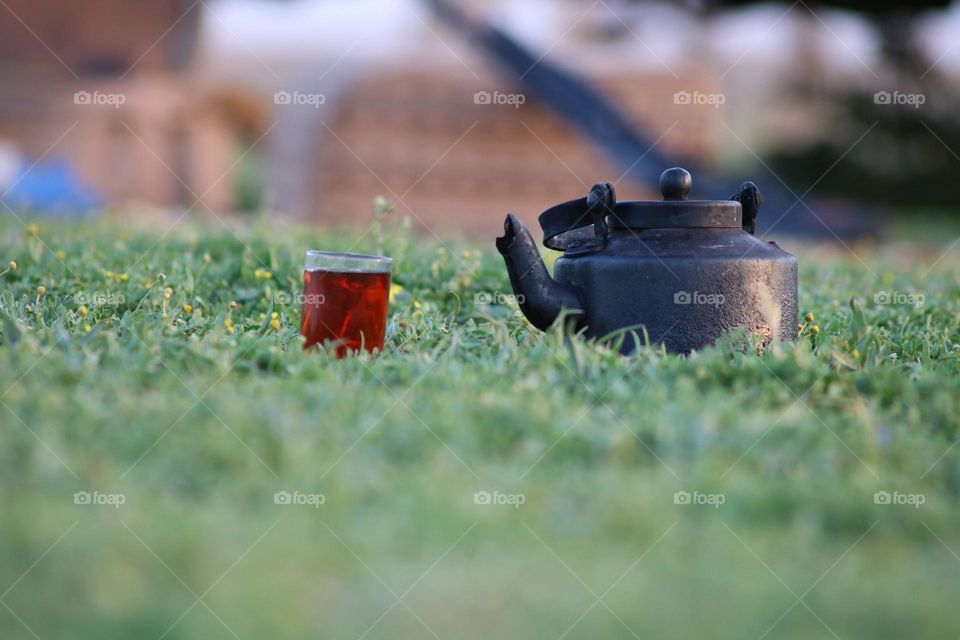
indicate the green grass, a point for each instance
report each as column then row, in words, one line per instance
column 197, row 429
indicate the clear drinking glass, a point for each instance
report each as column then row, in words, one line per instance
column 345, row 299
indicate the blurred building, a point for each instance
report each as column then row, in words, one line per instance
column 131, row 95
column 461, row 153
column 105, row 85
column 333, row 102
column 397, row 104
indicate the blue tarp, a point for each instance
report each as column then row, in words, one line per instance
column 51, row 187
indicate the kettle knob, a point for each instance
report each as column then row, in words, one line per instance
column 675, row 184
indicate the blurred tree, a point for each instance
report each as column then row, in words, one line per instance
column 911, row 144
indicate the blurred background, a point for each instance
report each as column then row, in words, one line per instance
column 458, row 111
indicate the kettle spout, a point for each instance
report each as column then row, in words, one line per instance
column 541, row 298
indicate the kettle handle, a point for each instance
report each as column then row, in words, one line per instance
column 750, row 200
column 565, row 225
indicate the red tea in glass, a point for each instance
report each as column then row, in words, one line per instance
column 345, row 301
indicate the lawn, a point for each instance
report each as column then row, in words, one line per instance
column 148, row 425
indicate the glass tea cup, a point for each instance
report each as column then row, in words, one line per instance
column 345, row 301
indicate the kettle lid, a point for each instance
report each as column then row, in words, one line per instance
column 565, row 226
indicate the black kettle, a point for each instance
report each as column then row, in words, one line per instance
column 679, row 272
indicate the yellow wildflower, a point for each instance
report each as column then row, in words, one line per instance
column 187, row 308
column 274, row 315
column 87, row 328
column 82, row 310
column 41, row 290
column 815, row 329
column 395, row 290
column 12, row 265
column 275, row 324
column 808, row 317
column 124, row 277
